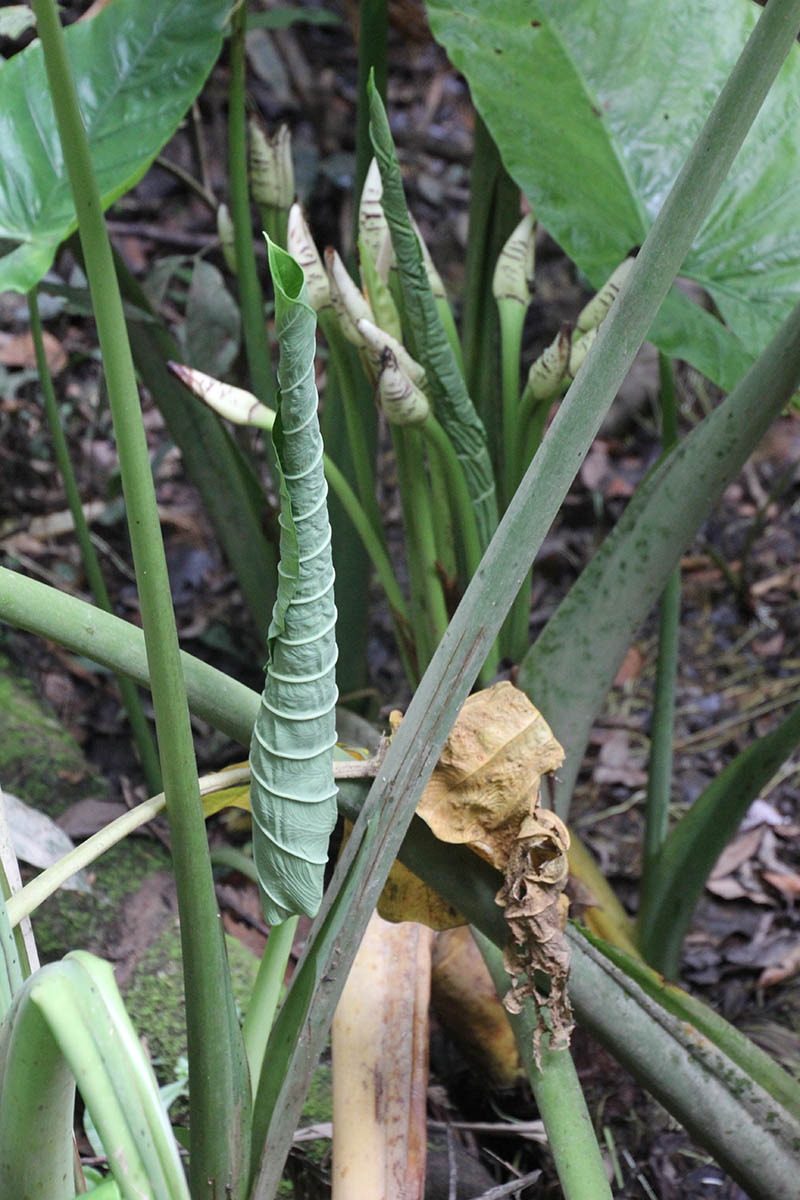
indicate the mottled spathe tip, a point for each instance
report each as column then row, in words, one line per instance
column 301, row 246
column 513, row 274
column 372, row 226
column 596, row 310
column 549, row 369
column 378, row 341
column 271, row 167
column 348, row 300
column 403, row 403
column 232, row 403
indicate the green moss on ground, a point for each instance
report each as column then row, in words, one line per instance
column 154, row 995
column 40, row 761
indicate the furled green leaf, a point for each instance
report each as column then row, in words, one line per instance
column 429, row 343
column 293, row 794
column 68, row 1024
column 594, row 106
column 137, row 66
column 572, row 664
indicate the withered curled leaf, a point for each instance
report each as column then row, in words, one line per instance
column 536, row 912
column 484, row 792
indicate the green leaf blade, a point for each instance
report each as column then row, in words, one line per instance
column 429, row 343
column 138, row 65
column 293, row 794
column 593, row 108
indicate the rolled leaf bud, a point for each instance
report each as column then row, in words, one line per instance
column 378, row 342
column 347, row 299
column 401, row 401
column 548, row 370
column 434, row 278
column 372, row 226
column 271, row 169
column 578, row 351
column 301, row 246
column 386, row 261
column 378, row 294
column 591, row 316
column 513, row 274
column 233, row 403
column 227, row 240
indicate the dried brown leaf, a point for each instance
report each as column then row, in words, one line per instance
column 487, row 779
column 484, row 792
column 785, row 969
column 536, row 912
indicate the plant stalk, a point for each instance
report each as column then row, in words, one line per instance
column 428, row 611
column 251, row 299
column 493, row 213
column 140, row 728
column 558, row 1096
column 219, row 1102
column 659, row 779
column 266, row 994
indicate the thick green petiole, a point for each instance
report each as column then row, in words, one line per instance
column 660, row 772
column 356, row 434
column 266, row 994
column 558, row 1094
column 428, row 610
column 251, row 299
column 512, row 319
column 463, row 513
column 130, row 697
column 220, row 1095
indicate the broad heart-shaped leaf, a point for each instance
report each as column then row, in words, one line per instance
column 594, row 106
column 292, row 789
column 137, row 66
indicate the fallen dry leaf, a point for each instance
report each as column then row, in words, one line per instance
column 630, row 667
column 487, row 779
column 785, row 969
column 484, row 792
column 618, row 762
column 737, row 852
column 16, row 350
column 789, row 885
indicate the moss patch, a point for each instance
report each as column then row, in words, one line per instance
column 154, row 995
column 39, row 760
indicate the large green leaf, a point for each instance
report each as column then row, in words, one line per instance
column 292, row 792
column 594, row 106
column 137, row 66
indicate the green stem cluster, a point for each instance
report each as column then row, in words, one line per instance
column 219, row 1089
